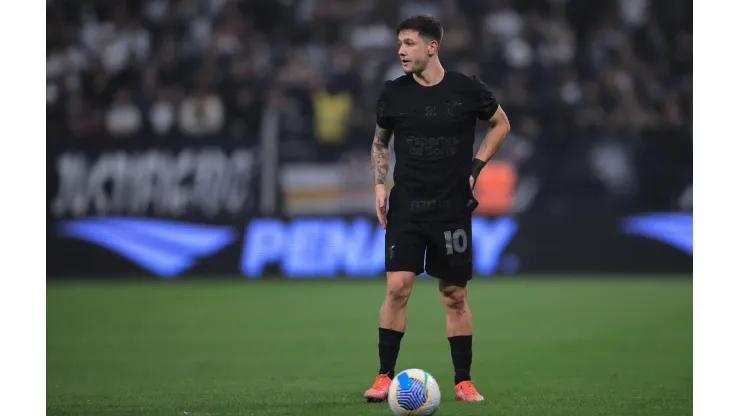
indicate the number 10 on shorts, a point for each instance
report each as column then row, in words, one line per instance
column 457, row 241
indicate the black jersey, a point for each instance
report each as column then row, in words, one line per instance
column 434, row 130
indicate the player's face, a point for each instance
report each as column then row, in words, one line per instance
column 414, row 51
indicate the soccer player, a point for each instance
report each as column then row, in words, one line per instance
column 432, row 114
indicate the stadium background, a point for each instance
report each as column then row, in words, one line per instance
column 229, row 141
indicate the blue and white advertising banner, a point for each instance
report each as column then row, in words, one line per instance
column 313, row 247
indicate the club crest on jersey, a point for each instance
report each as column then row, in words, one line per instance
column 430, row 111
column 454, row 107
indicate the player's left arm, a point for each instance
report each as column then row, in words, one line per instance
column 487, row 108
column 499, row 128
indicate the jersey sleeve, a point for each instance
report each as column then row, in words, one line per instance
column 382, row 117
column 485, row 103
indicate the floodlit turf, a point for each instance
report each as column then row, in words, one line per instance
column 542, row 347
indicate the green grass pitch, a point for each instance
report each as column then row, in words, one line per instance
column 541, row 347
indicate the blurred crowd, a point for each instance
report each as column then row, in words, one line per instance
column 566, row 71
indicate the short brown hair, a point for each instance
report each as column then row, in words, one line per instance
column 427, row 25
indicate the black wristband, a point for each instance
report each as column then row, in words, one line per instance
column 477, row 167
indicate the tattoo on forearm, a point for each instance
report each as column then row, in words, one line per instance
column 380, row 154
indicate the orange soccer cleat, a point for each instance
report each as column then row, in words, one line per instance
column 465, row 391
column 379, row 391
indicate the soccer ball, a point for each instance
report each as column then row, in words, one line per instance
column 414, row 392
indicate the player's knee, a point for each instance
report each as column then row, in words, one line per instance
column 398, row 291
column 398, row 294
column 454, row 297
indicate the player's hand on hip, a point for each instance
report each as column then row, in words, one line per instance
column 472, row 182
column 380, row 204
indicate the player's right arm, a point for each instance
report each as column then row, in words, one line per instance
column 380, row 154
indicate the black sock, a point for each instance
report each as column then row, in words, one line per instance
column 461, row 348
column 389, row 343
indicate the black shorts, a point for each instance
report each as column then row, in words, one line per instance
column 447, row 245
